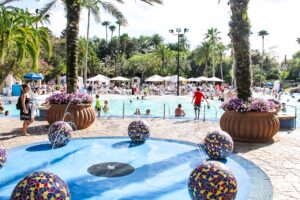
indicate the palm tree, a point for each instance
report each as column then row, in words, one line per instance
column 93, row 7
column 263, row 33
column 212, row 37
column 73, row 8
column 298, row 40
column 203, row 56
column 156, row 40
column 106, row 24
column 121, row 22
column 220, row 48
column 164, row 54
column 239, row 33
column 112, row 28
column 20, row 40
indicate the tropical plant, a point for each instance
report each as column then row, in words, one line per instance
column 112, row 28
column 93, row 7
column 212, row 37
column 20, row 41
column 298, row 40
column 239, row 33
column 262, row 34
column 203, row 56
column 106, row 24
column 121, row 22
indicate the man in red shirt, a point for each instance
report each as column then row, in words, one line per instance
column 197, row 103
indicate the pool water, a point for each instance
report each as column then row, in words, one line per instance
column 162, row 168
column 164, row 106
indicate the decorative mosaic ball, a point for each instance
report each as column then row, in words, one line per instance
column 138, row 131
column 41, row 185
column 212, row 180
column 3, row 155
column 218, row 145
column 59, row 134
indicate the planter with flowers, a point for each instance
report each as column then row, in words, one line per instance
column 74, row 108
column 251, row 121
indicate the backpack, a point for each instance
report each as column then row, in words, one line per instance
column 19, row 104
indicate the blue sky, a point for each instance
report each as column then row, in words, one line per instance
column 279, row 17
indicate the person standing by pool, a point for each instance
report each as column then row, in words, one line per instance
column 25, row 111
column 98, row 105
column 197, row 103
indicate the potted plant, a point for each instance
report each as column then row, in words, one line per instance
column 75, row 108
column 254, row 120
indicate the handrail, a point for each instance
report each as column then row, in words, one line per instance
column 216, row 116
column 295, row 118
column 123, row 109
column 164, row 116
column 204, row 113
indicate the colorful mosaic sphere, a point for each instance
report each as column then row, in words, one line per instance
column 212, row 180
column 218, row 145
column 59, row 134
column 3, row 155
column 138, row 131
column 41, row 185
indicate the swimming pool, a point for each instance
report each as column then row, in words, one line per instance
column 164, row 106
column 161, row 169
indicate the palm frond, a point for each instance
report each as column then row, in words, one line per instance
column 113, row 10
column 49, row 6
column 151, row 2
column 7, row 1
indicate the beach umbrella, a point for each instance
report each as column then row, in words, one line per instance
column 174, row 79
column 100, row 78
column 191, row 79
column 155, row 78
column 33, row 76
column 120, row 78
column 201, row 78
column 214, row 79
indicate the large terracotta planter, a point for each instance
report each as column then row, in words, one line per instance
column 82, row 115
column 250, row 126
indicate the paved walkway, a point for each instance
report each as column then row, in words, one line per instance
column 278, row 159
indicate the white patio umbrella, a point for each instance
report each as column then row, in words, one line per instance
column 166, row 78
column 120, row 78
column 154, row 78
column 191, row 80
column 100, row 78
column 215, row 79
column 201, row 78
column 174, row 79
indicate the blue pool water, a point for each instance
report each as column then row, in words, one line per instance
column 159, row 105
column 162, row 168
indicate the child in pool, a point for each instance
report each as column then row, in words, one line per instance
column 106, row 107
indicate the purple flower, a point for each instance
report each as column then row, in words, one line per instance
column 64, row 98
column 252, row 105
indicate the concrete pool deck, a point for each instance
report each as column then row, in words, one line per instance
column 279, row 159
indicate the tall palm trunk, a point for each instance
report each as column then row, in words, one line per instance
column 87, row 48
column 221, row 65
column 262, row 52
column 106, row 33
column 239, row 33
column 119, row 29
column 205, row 72
column 73, row 17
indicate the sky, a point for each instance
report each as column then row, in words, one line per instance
column 279, row 17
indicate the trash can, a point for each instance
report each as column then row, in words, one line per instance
column 16, row 90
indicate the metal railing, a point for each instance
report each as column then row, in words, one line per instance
column 295, row 112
